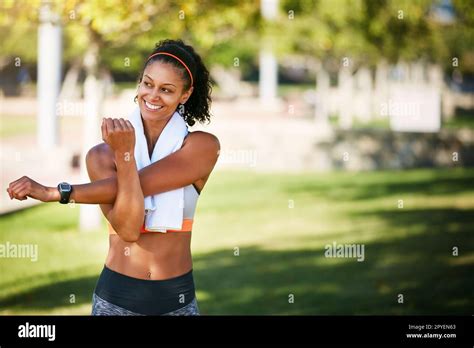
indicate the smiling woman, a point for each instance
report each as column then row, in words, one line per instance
column 147, row 272
column 189, row 76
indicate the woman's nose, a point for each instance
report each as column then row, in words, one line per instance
column 155, row 95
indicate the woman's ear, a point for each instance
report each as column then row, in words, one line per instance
column 187, row 95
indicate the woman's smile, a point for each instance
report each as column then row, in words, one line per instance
column 152, row 107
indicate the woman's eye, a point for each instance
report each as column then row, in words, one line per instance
column 165, row 90
column 147, row 84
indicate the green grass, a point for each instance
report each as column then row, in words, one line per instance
column 281, row 249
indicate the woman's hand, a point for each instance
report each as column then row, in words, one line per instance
column 119, row 134
column 25, row 187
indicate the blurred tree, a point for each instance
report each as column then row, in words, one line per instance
column 126, row 31
column 459, row 38
column 227, row 35
column 224, row 30
column 364, row 30
column 18, row 27
column 314, row 28
column 368, row 31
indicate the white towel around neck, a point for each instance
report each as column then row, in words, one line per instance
column 164, row 210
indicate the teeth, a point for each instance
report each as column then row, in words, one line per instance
column 151, row 106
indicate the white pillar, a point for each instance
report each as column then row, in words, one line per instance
column 268, row 79
column 49, row 76
column 268, row 67
column 90, row 216
column 321, row 111
column 417, row 75
column 324, row 131
column 346, row 86
column 363, row 95
column 381, row 89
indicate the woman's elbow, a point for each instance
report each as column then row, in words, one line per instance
column 129, row 238
column 127, row 224
column 129, row 234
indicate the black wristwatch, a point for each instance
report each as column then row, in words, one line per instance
column 65, row 191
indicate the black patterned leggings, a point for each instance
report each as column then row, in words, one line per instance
column 103, row 307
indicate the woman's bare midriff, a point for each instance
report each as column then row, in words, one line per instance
column 154, row 256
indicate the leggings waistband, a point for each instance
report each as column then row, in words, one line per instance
column 149, row 297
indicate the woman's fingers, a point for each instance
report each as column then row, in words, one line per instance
column 120, row 134
column 123, row 125
column 22, row 187
column 15, row 185
column 129, row 125
column 27, row 188
column 10, row 193
column 23, row 193
column 103, row 129
column 18, row 180
column 19, row 191
column 109, row 125
column 117, row 125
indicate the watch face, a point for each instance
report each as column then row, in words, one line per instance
column 64, row 186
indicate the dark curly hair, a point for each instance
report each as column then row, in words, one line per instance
column 197, row 106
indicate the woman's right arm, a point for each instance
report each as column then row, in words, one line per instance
column 195, row 160
column 126, row 214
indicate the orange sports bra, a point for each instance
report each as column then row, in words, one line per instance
column 191, row 195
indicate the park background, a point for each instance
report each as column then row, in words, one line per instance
column 346, row 121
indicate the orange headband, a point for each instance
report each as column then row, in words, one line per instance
column 172, row 55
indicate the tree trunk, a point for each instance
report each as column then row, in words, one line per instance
column 70, row 89
column 268, row 67
column 49, row 77
column 346, row 86
column 90, row 215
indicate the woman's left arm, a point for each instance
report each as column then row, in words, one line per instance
column 195, row 160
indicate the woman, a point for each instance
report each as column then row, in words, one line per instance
column 146, row 273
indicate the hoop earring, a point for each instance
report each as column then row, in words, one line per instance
column 135, row 99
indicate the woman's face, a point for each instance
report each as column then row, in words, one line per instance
column 161, row 91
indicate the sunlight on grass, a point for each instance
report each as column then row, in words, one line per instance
column 259, row 237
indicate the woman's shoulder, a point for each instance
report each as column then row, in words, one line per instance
column 200, row 138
